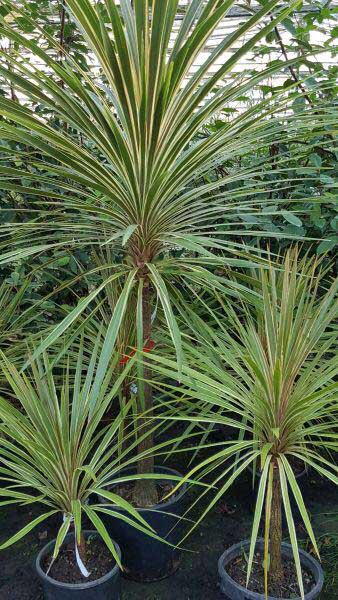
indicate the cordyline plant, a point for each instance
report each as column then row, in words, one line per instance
column 125, row 157
column 53, row 443
column 275, row 380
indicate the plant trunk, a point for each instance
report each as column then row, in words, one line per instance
column 82, row 548
column 276, row 573
column 145, row 491
column 62, row 26
column 124, row 424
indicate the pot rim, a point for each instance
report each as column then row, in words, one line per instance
column 74, row 586
column 156, row 507
column 233, row 551
column 298, row 475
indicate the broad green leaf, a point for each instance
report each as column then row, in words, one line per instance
column 292, row 218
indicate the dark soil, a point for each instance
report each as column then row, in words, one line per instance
column 99, row 561
column 125, row 490
column 237, row 569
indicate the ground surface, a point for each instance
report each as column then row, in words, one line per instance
column 196, row 579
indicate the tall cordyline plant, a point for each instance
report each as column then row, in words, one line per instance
column 127, row 164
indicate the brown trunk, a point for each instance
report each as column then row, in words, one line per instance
column 125, row 423
column 290, row 67
column 62, row 26
column 276, row 573
column 82, row 548
column 145, row 491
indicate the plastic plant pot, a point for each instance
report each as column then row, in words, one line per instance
column 144, row 558
column 105, row 588
column 235, row 591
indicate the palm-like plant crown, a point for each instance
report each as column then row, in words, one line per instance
column 124, row 160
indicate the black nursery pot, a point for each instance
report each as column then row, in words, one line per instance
column 105, row 588
column 235, row 591
column 144, row 558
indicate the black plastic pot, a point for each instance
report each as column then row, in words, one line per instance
column 105, row 588
column 144, row 558
column 234, row 591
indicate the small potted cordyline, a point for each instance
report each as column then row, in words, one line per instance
column 55, row 452
column 275, row 375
